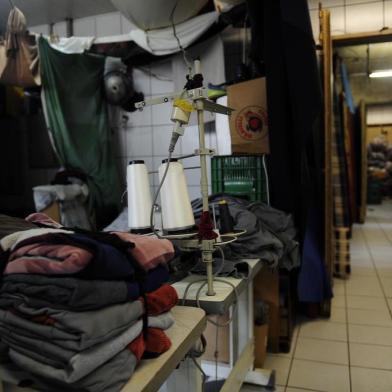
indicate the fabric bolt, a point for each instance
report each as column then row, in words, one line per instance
column 148, row 251
column 88, row 360
column 74, row 294
column 48, row 259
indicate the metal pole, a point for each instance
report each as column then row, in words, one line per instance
column 206, row 251
column 203, row 161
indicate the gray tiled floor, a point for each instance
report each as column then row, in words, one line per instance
column 351, row 352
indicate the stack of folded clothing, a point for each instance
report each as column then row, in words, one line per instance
column 78, row 310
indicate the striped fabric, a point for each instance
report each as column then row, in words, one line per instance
column 339, row 170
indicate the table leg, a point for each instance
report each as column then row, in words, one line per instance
column 186, row 378
column 257, row 376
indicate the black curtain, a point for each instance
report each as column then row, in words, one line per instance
column 294, row 105
column 283, row 40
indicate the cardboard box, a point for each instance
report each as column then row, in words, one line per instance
column 261, row 340
column 266, row 289
column 223, row 343
column 249, row 121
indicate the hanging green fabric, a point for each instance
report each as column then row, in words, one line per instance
column 78, row 121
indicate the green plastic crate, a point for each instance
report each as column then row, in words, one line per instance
column 240, row 175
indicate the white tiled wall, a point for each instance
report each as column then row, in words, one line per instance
column 353, row 16
column 145, row 135
column 148, row 133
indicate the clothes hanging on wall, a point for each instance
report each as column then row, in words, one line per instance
column 78, row 123
column 295, row 110
column 18, row 53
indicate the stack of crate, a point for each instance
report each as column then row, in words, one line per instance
column 342, row 254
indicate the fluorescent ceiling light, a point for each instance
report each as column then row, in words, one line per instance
column 386, row 73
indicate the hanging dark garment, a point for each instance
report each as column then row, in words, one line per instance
column 294, row 105
column 295, row 113
column 78, row 123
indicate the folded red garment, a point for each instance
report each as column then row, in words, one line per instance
column 161, row 300
column 157, row 343
column 47, row 259
column 148, row 251
column 138, row 346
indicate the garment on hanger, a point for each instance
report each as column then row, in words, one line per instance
column 19, row 65
column 82, row 138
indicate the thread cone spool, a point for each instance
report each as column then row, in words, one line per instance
column 226, row 220
column 139, row 198
column 177, row 214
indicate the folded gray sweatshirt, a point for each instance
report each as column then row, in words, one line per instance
column 82, row 363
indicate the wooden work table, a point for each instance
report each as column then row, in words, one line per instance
column 240, row 367
column 224, row 294
column 151, row 374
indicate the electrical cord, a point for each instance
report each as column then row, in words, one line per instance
column 172, row 146
column 198, row 300
column 217, row 324
column 152, row 223
column 154, row 75
column 219, row 270
column 204, row 375
column 266, row 180
column 186, row 61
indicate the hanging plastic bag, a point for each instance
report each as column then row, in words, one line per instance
column 19, row 53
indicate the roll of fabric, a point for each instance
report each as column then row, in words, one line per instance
column 176, row 207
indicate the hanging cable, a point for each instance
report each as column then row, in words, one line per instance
column 152, row 223
column 266, row 180
column 186, row 61
column 171, row 150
